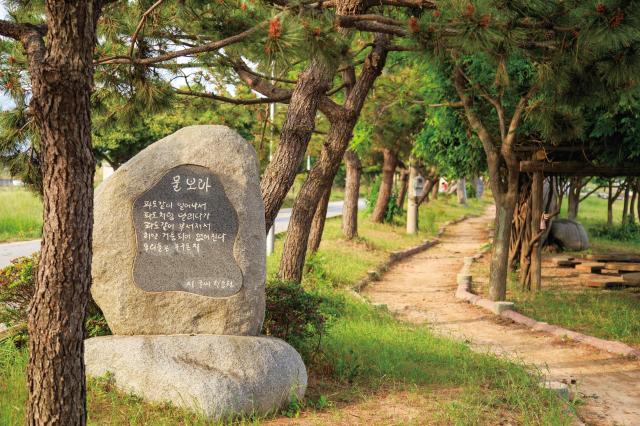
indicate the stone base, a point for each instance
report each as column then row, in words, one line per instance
column 219, row 376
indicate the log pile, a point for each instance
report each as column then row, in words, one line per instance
column 604, row 270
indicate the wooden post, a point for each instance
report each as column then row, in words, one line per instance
column 537, row 194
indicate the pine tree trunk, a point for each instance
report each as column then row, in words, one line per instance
column 521, row 229
column 436, row 188
column 625, row 207
column 632, row 204
column 610, row 201
column 294, row 137
column 461, row 191
column 351, row 195
column 574, row 198
column 343, row 120
column 428, row 190
column 317, row 225
column 386, row 186
column 558, row 181
column 404, row 186
column 500, row 252
column 305, row 205
column 537, row 196
column 638, row 192
column 61, row 77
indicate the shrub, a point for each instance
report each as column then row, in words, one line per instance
column 17, row 283
column 392, row 209
column 294, row 315
column 627, row 231
column 16, row 289
column 372, row 195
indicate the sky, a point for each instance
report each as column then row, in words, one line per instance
column 5, row 102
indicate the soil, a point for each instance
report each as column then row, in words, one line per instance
column 421, row 290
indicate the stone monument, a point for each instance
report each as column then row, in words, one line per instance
column 179, row 272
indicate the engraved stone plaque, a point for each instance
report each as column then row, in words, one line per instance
column 185, row 230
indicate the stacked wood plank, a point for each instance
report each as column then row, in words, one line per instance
column 604, row 270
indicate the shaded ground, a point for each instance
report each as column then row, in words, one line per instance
column 421, row 290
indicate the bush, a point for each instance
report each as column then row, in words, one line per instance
column 628, row 231
column 16, row 289
column 17, row 284
column 294, row 315
column 392, row 209
column 372, row 196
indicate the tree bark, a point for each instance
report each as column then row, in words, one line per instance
column 632, row 203
column 294, row 137
column 574, row 198
column 560, row 184
column 610, row 200
column 436, row 188
column 625, row 208
column 428, row 190
column 504, row 167
column 305, row 205
column 343, row 119
column 521, row 228
column 500, row 251
column 536, row 219
column 461, row 191
column 351, row 195
column 61, row 80
column 317, row 225
column 389, row 164
column 404, row 186
column 638, row 192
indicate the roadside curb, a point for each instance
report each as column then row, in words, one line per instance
column 504, row 309
column 398, row 256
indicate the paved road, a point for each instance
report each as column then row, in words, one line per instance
column 10, row 251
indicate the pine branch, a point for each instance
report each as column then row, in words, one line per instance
column 284, row 98
column 353, row 21
column 143, row 20
column 245, row 68
column 419, row 4
column 207, row 47
column 398, row 48
column 256, row 82
column 336, row 89
column 330, row 109
column 19, row 31
column 591, row 193
column 457, row 104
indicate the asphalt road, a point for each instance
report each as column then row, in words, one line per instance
column 10, row 251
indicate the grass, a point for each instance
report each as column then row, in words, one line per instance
column 608, row 314
column 365, row 357
column 20, row 215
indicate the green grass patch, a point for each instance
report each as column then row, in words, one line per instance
column 20, row 215
column 612, row 314
column 608, row 314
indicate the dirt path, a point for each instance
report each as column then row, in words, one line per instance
column 421, row 289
